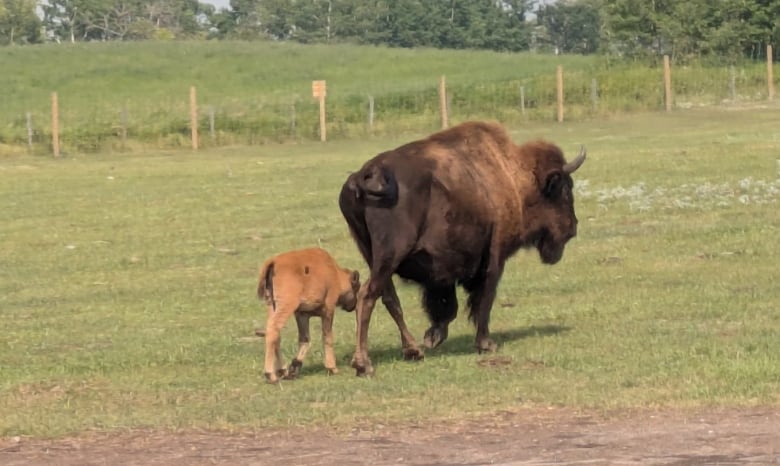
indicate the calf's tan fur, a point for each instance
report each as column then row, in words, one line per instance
column 306, row 283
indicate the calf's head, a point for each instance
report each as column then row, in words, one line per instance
column 350, row 285
column 554, row 217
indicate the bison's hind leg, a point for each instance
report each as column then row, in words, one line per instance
column 441, row 305
column 411, row 351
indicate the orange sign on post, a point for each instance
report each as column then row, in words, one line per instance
column 318, row 91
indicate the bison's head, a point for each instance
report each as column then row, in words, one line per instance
column 348, row 298
column 553, row 215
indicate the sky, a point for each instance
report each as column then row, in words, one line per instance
column 218, row 3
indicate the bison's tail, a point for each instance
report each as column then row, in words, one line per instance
column 265, row 286
column 375, row 184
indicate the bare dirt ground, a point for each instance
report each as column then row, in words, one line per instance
column 531, row 436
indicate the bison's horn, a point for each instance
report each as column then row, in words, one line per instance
column 572, row 166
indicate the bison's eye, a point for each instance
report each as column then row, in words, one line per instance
column 566, row 194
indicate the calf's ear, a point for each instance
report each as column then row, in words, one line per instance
column 553, row 184
column 354, row 278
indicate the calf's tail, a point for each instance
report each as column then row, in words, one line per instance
column 265, row 286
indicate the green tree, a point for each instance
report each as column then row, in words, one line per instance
column 692, row 28
column 83, row 20
column 570, row 27
column 633, row 27
column 18, row 22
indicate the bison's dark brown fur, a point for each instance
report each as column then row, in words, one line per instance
column 304, row 283
column 451, row 209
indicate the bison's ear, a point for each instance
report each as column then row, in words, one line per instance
column 553, row 184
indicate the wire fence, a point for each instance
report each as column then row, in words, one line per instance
column 108, row 125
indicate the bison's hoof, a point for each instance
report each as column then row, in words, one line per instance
column 413, row 354
column 435, row 336
column 486, row 346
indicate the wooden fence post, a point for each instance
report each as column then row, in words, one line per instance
column 560, row 93
column 770, row 72
column 445, row 121
column 55, row 125
column 123, row 125
column 212, row 128
column 194, row 117
column 370, row 113
column 667, row 83
column 733, row 83
column 594, row 94
column 319, row 91
column 29, row 131
column 293, row 119
column 522, row 100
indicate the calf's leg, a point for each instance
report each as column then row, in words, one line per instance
column 304, row 339
column 327, row 342
column 273, row 362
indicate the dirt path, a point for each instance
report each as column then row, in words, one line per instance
column 526, row 437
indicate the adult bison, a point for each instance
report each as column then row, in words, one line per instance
column 451, row 209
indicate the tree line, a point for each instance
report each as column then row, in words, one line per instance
column 633, row 29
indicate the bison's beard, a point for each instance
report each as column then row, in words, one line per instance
column 550, row 250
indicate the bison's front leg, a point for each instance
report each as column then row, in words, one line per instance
column 411, row 351
column 481, row 302
column 441, row 304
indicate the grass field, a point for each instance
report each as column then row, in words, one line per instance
column 127, row 285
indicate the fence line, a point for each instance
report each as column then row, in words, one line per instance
column 351, row 115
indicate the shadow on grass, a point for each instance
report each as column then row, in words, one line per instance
column 464, row 344
column 458, row 345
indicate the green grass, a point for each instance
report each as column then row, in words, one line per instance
column 252, row 87
column 260, row 92
column 127, row 286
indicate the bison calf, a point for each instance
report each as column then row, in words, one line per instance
column 306, row 282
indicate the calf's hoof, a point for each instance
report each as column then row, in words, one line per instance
column 486, row 345
column 364, row 371
column 294, row 370
column 271, row 378
column 435, row 336
column 413, row 354
column 332, row 370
